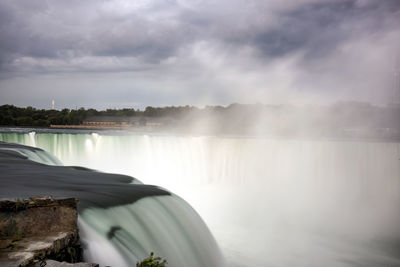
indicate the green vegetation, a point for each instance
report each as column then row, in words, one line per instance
column 152, row 261
column 341, row 119
column 15, row 116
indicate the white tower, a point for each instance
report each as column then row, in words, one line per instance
column 52, row 104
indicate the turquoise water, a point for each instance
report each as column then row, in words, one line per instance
column 268, row 202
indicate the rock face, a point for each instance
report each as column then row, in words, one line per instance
column 37, row 229
column 37, row 216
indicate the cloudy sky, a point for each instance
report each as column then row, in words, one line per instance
column 120, row 53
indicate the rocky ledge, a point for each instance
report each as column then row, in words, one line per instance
column 40, row 231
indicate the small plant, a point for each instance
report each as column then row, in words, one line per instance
column 71, row 254
column 152, row 261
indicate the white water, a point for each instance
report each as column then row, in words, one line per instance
column 268, row 202
column 122, row 235
column 164, row 225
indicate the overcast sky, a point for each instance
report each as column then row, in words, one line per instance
column 118, row 53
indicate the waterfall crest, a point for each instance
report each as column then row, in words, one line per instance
column 262, row 196
column 119, row 217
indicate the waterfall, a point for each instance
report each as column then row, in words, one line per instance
column 121, row 220
column 165, row 225
column 284, row 199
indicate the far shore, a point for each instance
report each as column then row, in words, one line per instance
column 89, row 127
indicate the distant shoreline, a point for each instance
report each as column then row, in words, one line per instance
column 92, row 127
column 343, row 120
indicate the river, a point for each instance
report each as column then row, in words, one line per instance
column 267, row 201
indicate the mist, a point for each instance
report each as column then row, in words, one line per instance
column 339, row 120
column 268, row 201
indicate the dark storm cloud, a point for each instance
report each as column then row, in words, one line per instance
column 43, row 31
column 313, row 27
column 319, row 27
column 220, row 47
column 48, row 30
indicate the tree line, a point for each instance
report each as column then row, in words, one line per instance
column 338, row 119
column 11, row 115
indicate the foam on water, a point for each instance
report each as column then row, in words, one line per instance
column 121, row 221
column 269, row 202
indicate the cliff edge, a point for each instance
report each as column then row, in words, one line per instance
column 39, row 231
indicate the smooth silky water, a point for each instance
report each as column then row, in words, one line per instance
column 268, row 202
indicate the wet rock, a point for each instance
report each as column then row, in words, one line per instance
column 51, row 263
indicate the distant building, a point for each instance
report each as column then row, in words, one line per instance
column 111, row 121
column 115, row 122
column 108, row 121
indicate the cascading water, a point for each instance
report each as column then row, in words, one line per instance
column 269, row 202
column 121, row 220
column 164, row 225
